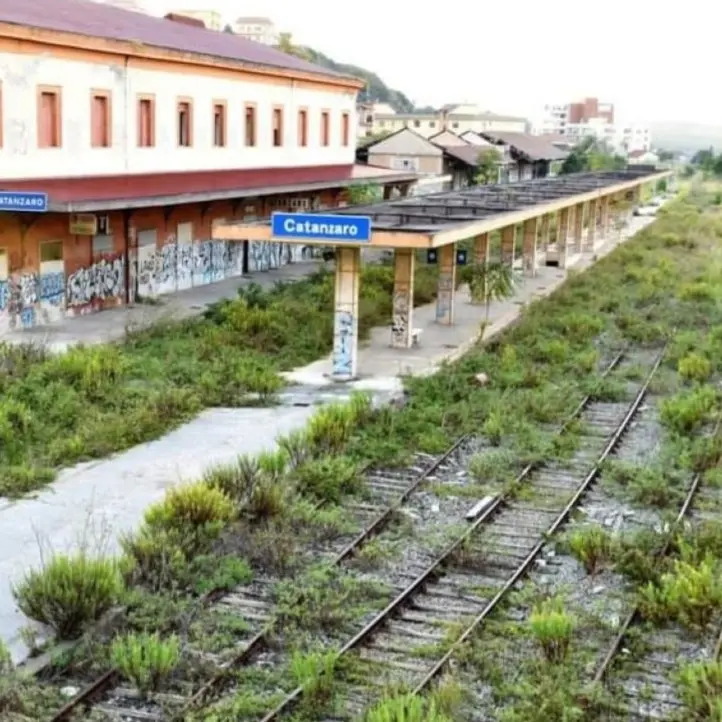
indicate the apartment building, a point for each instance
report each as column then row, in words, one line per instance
column 118, row 156
column 381, row 119
column 592, row 118
column 258, row 29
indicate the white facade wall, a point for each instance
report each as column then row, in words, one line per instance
column 21, row 158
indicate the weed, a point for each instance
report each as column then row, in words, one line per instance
column 700, row 689
column 591, row 546
column 694, row 367
column 406, row 708
column 147, row 660
column 314, row 671
column 688, row 411
column 69, row 592
column 690, row 594
column 328, row 478
column 552, row 628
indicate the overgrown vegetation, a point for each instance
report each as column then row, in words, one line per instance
column 90, row 402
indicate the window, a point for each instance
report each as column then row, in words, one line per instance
column 185, row 125
column 102, row 244
column 302, row 128
column 219, row 125
column 49, row 118
column 455, row 124
column 100, row 119
column 432, row 124
column 146, row 122
column 417, row 124
column 325, row 128
column 250, row 130
column 399, row 163
column 345, row 129
column 51, row 251
column 277, row 127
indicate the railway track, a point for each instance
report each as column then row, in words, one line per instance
column 386, row 491
column 473, row 575
column 647, row 688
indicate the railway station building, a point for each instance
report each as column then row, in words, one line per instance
column 124, row 138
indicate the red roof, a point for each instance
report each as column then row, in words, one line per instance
column 105, row 21
column 150, row 186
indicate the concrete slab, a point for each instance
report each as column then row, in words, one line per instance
column 92, row 504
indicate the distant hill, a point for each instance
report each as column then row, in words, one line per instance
column 686, row 136
column 376, row 90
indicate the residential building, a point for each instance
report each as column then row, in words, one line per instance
column 525, row 156
column 591, row 118
column 258, row 29
column 457, row 118
column 127, row 137
column 441, row 163
column 211, row 19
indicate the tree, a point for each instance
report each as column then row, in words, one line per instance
column 228, row 29
column 363, row 193
column 591, row 154
column 286, row 45
column 491, row 282
column 487, row 166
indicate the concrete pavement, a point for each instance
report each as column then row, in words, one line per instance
column 91, row 504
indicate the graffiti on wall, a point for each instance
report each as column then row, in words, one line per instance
column 93, row 285
column 343, row 344
column 28, row 298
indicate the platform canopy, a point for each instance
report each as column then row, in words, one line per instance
column 434, row 220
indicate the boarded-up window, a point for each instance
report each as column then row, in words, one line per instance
column 49, row 119
column 51, row 251
column 345, row 129
column 100, row 120
column 146, row 123
column 102, row 244
column 302, row 128
column 184, row 124
column 219, row 125
column 325, row 128
column 277, row 127
column 250, row 129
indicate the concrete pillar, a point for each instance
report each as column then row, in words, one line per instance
column 591, row 237
column 578, row 227
column 529, row 255
column 545, row 231
column 446, row 289
column 345, row 320
column 565, row 219
column 402, row 315
column 481, row 249
column 604, row 220
column 508, row 236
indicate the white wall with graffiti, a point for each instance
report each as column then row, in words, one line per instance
column 29, row 299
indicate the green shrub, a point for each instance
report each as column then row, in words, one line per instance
column 195, row 512
column 328, row 478
column 552, row 627
column 694, row 368
column 314, row 672
column 146, row 660
column 700, row 689
column 591, row 546
column 156, row 558
column 690, row 594
column 406, row 708
column 688, row 411
column 69, row 592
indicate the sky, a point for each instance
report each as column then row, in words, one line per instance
column 653, row 60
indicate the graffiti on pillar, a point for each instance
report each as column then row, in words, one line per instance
column 400, row 319
column 444, row 296
column 343, row 344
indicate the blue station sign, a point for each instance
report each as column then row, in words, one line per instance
column 322, row 228
column 28, row 202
